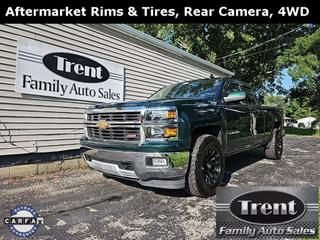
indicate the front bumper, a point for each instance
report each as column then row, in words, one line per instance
column 136, row 166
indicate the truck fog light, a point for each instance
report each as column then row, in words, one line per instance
column 156, row 161
column 170, row 132
column 156, row 132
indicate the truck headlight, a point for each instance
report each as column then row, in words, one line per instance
column 161, row 124
column 158, row 115
column 155, row 132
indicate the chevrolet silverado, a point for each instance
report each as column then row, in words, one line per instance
column 180, row 136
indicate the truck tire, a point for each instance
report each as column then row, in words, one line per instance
column 274, row 148
column 206, row 166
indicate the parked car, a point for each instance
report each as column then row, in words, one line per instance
column 292, row 124
column 180, row 136
column 289, row 122
column 305, row 122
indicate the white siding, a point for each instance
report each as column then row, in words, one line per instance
column 35, row 124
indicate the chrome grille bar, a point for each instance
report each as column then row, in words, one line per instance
column 126, row 134
column 115, row 116
column 123, row 126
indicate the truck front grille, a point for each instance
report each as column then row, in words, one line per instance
column 123, row 126
column 115, row 133
column 115, row 116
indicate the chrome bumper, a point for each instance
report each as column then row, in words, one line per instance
column 135, row 166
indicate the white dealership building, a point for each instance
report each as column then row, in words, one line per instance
column 49, row 73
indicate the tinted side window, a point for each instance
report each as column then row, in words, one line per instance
column 250, row 97
column 233, row 87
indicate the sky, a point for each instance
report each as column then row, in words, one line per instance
column 287, row 81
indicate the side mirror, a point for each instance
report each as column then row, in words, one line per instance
column 235, row 96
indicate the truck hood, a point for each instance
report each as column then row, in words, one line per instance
column 153, row 103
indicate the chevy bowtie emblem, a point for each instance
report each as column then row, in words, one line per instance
column 103, row 124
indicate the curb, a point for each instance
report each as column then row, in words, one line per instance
column 41, row 168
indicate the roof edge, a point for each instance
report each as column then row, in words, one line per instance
column 127, row 30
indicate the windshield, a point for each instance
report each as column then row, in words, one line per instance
column 204, row 88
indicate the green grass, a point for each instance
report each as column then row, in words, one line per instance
column 180, row 159
column 302, row 132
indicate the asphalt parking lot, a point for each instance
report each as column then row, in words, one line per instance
column 84, row 205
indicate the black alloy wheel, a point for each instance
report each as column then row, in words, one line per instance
column 211, row 165
column 206, row 166
column 279, row 144
column 274, row 148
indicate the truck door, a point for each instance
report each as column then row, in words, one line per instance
column 237, row 117
column 257, row 118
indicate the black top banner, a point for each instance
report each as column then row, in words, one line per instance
column 156, row 11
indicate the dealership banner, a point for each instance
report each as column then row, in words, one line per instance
column 46, row 70
column 267, row 212
column 192, row 11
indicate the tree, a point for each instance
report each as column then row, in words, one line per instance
column 256, row 53
column 303, row 62
column 214, row 42
column 296, row 110
column 275, row 101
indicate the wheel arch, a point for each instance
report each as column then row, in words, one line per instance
column 215, row 130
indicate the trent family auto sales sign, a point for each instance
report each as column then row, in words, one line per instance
column 46, row 70
column 267, row 212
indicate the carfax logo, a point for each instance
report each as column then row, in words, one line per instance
column 277, row 212
column 24, row 221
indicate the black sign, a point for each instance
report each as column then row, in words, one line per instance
column 191, row 11
column 267, row 207
column 76, row 67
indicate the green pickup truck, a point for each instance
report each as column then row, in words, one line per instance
column 180, row 136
